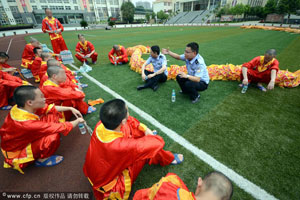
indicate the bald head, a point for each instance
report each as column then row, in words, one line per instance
column 53, row 62
column 32, row 40
column 271, row 52
column 219, row 185
column 53, row 70
column 116, row 47
column 45, row 56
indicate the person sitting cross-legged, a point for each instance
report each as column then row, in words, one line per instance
column 160, row 73
column 119, row 148
column 120, row 57
column 31, row 131
column 64, row 95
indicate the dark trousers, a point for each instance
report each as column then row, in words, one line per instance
column 152, row 82
column 191, row 88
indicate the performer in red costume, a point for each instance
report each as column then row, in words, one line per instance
column 8, row 84
column 4, row 66
column 215, row 186
column 63, row 94
column 120, row 146
column 121, row 56
column 36, row 65
column 28, row 54
column 85, row 49
column 261, row 69
column 31, row 131
column 52, row 26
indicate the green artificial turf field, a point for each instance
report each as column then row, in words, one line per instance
column 256, row 134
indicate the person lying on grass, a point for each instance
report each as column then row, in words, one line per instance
column 31, row 131
column 119, row 148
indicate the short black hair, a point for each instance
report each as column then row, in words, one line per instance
column 112, row 113
column 155, row 49
column 23, row 94
column 35, row 50
column 3, row 55
column 271, row 52
column 80, row 35
column 194, row 46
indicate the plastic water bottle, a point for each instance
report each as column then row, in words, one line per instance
column 245, row 87
column 82, row 128
column 173, row 96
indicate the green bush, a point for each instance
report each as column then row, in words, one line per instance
column 84, row 24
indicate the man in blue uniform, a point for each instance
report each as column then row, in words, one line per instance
column 160, row 73
column 197, row 78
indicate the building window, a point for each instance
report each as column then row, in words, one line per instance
column 68, row 7
column 74, row 1
column 11, row 0
column 116, row 2
column 34, row 7
column 14, row 9
column 90, row 1
column 32, row 1
column 75, row 7
column 44, row 7
column 98, row 1
column 66, row 1
column 103, row 1
column 43, row 1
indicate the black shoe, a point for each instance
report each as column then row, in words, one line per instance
column 197, row 99
column 140, row 87
column 155, row 87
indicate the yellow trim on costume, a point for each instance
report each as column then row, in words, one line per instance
column 36, row 78
column 127, row 185
column 185, row 195
column 26, row 62
column 106, row 187
column 50, row 83
column 20, row 115
column 17, row 161
column 105, row 135
column 154, row 189
column 84, row 46
column 50, row 106
column 25, row 83
column 142, row 127
column 263, row 67
column 43, row 62
column 127, row 182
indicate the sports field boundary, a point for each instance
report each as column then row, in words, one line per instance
column 251, row 188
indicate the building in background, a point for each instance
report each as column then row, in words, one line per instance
column 164, row 5
column 66, row 11
column 144, row 4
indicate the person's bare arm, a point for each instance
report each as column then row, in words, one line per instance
column 172, row 54
column 272, row 82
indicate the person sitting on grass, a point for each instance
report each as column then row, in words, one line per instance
column 84, row 50
column 64, row 95
column 215, row 186
column 119, row 148
column 4, row 66
column 197, row 78
column 121, row 55
column 31, row 130
column 160, row 73
column 8, row 84
column 261, row 69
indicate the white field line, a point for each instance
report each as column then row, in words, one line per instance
column 9, row 46
column 243, row 183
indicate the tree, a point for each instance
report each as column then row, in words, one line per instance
column 147, row 17
column 127, row 9
column 153, row 15
column 83, row 24
column 288, row 7
column 271, row 7
column 162, row 16
column 238, row 9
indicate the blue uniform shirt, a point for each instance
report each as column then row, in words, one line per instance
column 158, row 62
column 196, row 67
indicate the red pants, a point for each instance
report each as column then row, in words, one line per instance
column 6, row 93
column 78, row 104
column 120, row 61
column 256, row 77
column 59, row 45
column 94, row 57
